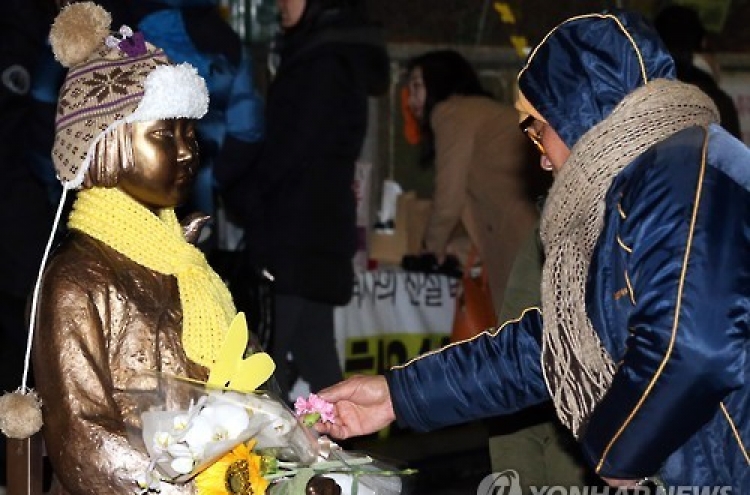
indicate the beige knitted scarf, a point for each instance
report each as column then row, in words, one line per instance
column 577, row 368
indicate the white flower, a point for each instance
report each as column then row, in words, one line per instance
column 199, row 434
column 148, row 481
column 162, row 441
column 180, row 450
column 280, row 425
column 208, row 413
column 220, row 433
column 182, row 465
column 229, row 420
column 181, row 422
column 233, row 418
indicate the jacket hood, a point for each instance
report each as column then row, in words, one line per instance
column 585, row 66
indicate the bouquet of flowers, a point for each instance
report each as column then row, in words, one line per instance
column 232, row 442
column 185, row 426
column 233, row 439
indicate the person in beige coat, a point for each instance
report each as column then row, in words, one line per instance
column 484, row 190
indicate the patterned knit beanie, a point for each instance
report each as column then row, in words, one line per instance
column 113, row 78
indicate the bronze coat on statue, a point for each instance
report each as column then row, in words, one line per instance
column 102, row 319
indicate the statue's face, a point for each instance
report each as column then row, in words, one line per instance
column 165, row 159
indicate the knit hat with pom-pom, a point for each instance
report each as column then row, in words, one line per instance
column 112, row 78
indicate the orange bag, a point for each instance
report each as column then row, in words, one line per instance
column 412, row 132
column 474, row 310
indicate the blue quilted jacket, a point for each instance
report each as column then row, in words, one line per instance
column 668, row 291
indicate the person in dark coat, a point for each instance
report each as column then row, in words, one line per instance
column 295, row 196
column 681, row 29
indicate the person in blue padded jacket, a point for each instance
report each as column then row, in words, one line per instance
column 642, row 338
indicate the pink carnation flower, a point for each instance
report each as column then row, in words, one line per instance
column 313, row 409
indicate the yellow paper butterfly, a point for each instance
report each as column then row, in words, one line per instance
column 231, row 369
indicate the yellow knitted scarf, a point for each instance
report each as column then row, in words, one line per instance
column 157, row 243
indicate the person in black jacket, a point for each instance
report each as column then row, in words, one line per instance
column 295, row 196
column 682, row 31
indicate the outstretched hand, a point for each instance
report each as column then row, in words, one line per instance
column 362, row 406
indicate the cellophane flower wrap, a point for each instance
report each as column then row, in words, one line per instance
column 185, row 426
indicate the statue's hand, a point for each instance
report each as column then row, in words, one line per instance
column 193, row 224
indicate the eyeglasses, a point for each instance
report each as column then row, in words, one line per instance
column 527, row 127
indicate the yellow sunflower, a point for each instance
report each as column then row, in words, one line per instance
column 237, row 473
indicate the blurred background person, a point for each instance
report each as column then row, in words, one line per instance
column 682, row 31
column 486, row 186
column 483, row 196
column 295, row 197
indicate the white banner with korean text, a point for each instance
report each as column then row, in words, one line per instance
column 392, row 317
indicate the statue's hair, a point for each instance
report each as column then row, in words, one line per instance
column 112, row 155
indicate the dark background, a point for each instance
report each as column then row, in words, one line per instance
column 458, row 21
